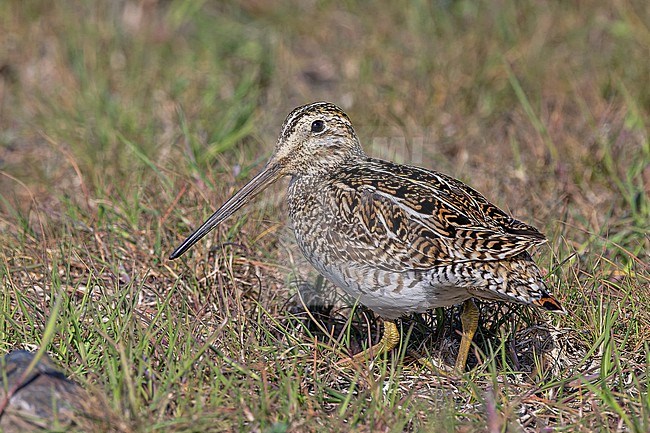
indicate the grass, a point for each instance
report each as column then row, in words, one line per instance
column 123, row 125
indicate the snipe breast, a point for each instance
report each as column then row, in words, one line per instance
column 400, row 239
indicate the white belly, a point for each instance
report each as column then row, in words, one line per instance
column 393, row 294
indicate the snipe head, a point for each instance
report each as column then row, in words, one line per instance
column 314, row 139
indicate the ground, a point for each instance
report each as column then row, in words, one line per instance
column 123, row 125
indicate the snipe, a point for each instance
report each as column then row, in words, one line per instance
column 400, row 239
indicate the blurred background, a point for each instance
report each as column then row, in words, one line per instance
column 123, row 124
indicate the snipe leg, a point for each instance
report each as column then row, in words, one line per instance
column 389, row 339
column 469, row 320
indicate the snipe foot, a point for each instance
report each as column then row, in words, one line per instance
column 389, row 339
column 469, row 320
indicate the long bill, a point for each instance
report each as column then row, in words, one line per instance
column 270, row 174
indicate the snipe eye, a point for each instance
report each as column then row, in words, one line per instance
column 317, row 126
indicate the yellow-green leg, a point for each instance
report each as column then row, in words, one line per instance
column 389, row 339
column 469, row 320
